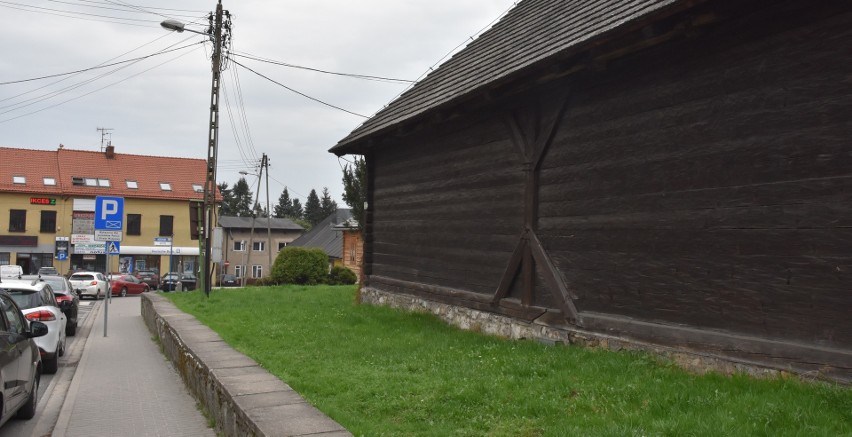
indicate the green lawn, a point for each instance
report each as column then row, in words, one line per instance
column 384, row 372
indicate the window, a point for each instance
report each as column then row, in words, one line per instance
column 257, row 246
column 165, row 186
column 91, row 182
column 134, row 224
column 133, row 185
column 197, row 188
column 18, row 220
column 103, row 182
column 48, row 221
column 166, row 222
column 238, row 271
column 19, row 179
column 13, row 317
column 281, row 245
column 5, row 258
column 239, row 246
column 257, row 271
column 50, row 181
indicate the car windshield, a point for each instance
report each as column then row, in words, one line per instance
column 57, row 283
column 25, row 299
column 82, row 277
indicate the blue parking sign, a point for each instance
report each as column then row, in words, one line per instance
column 109, row 213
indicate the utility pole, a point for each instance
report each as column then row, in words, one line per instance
column 253, row 219
column 212, row 150
column 268, row 217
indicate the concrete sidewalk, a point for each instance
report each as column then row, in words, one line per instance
column 124, row 386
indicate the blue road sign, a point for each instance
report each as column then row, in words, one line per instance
column 109, row 213
column 62, row 255
column 113, row 247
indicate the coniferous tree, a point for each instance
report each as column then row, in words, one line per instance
column 243, row 199
column 355, row 188
column 298, row 212
column 313, row 211
column 226, row 207
column 327, row 206
column 284, row 208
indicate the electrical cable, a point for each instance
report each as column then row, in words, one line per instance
column 39, row 9
column 162, row 9
column 298, row 92
column 99, row 89
column 99, row 66
column 114, row 9
column 357, row 76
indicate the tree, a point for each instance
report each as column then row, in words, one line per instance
column 243, row 199
column 298, row 212
column 313, row 213
column 287, row 208
column 327, row 206
column 355, row 188
column 226, row 207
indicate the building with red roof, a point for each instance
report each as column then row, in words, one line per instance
column 48, row 201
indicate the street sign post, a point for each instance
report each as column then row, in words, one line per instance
column 109, row 223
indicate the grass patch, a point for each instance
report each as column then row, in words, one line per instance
column 383, row 372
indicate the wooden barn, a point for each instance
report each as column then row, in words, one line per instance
column 672, row 174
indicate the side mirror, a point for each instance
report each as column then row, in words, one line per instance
column 37, row 329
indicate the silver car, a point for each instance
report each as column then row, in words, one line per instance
column 91, row 284
column 37, row 302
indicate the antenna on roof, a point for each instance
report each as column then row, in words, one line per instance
column 104, row 132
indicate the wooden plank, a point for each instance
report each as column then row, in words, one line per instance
column 554, row 280
column 510, row 271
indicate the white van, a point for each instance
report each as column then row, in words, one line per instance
column 11, row 271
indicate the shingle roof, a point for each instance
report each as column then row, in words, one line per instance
column 533, row 31
column 260, row 223
column 324, row 236
column 64, row 164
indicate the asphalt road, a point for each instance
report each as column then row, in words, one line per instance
column 53, row 387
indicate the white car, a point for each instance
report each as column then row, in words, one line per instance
column 92, row 284
column 36, row 300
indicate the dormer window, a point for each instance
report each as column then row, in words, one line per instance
column 133, row 185
column 91, row 182
column 165, row 186
column 19, row 180
column 197, row 188
column 103, row 182
column 50, row 181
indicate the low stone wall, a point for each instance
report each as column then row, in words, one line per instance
column 507, row 327
column 242, row 398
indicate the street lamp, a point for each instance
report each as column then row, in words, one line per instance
column 213, row 138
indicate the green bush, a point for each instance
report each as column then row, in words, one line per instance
column 298, row 265
column 341, row 276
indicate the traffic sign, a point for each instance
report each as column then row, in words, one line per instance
column 113, row 247
column 109, row 213
column 61, row 255
column 104, row 235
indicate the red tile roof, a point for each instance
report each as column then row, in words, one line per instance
column 65, row 164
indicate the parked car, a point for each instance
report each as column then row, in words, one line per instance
column 68, row 300
column 149, row 277
column 229, row 280
column 122, row 285
column 20, row 361
column 48, row 271
column 38, row 304
column 11, row 271
column 91, row 284
column 170, row 281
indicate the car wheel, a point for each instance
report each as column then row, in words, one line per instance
column 123, row 291
column 28, row 410
column 51, row 365
column 146, row 289
column 71, row 330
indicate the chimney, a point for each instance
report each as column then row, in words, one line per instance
column 110, row 151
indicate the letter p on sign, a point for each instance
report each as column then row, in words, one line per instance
column 110, row 208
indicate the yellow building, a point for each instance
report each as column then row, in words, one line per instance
column 47, row 204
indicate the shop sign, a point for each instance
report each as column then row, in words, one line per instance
column 96, row 249
column 42, row 201
column 82, row 239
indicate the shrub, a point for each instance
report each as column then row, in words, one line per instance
column 298, row 265
column 342, row 276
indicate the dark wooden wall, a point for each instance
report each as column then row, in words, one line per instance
column 703, row 183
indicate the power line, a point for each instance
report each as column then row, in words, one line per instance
column 116, row 9
column 298, row 92
column 40, row 9
column 161, row 9
column 99, row 66
column 357, row 76
column 96, row 90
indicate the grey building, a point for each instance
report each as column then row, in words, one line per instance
column 269, row 237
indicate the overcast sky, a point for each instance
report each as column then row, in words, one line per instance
column 160, row 105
